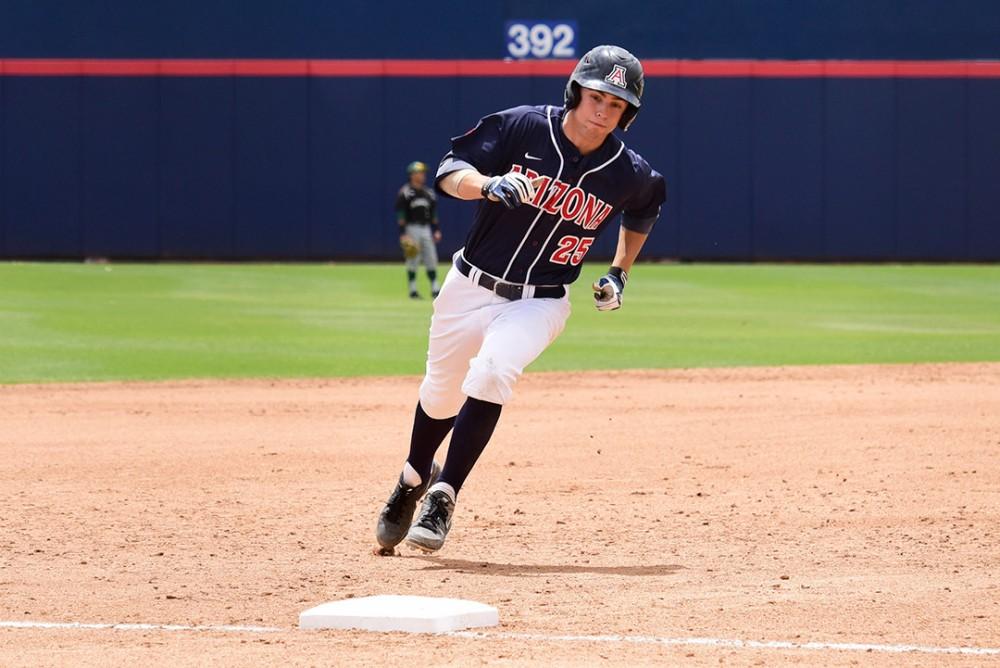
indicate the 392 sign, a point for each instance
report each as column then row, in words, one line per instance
column 541, row 39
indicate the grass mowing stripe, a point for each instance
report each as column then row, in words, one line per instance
column 72, row 322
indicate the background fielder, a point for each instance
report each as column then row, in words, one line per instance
column 416, row 215
column 550, row 180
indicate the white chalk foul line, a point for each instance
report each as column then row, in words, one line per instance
column 730, row 643
column 224, row 628
column 727, row 643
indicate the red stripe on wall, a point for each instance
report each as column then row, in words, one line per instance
column 856, row 68
column 56, row 67
column 711, row 68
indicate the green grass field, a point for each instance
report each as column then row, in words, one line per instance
column 72, row 322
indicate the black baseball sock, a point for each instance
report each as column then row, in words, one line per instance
column 473, row 428
column 425, row 440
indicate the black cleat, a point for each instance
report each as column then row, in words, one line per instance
column 395, row 518
column 431, row 528
column 414, row 295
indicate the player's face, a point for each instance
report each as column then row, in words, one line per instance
column 599, row 112
column 418, row 179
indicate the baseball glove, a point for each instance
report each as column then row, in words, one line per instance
column 411, row 248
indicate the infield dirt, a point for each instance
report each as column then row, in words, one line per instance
column 838, row 504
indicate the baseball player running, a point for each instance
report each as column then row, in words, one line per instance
column 416, row 215
column 549, row 180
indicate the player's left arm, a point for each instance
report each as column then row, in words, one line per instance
column 637, row 222
column 629, row 245
column 608, row 289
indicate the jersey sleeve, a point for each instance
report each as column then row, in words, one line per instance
column 643, row 209
column 480, row 148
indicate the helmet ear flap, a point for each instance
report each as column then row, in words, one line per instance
column 627, row 117
column 572, row 96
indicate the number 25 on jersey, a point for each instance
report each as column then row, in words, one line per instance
column 571, row 250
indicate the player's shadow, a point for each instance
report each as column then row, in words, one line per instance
column 490, row 568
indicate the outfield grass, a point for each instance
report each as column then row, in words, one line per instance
column 68, row 322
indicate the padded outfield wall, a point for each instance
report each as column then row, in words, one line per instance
column 254, row 130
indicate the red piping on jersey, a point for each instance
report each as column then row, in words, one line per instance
column 797, row 69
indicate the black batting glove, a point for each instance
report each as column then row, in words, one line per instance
column 608, row 289
column 512, row 189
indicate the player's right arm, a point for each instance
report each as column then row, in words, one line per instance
column 464, row 184
column 511, row 189
column 474, row 168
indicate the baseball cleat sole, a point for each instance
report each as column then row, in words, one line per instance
column 423, row 540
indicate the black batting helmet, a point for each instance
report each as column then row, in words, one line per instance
column 610, row 69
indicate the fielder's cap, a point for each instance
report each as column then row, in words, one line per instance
column 416, row 166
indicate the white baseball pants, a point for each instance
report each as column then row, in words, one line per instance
column 480, row 343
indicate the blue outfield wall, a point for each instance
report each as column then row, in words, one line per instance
column 757, row 168
column 813, row 165
column 699, row 29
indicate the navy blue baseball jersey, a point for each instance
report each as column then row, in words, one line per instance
column 544, row 242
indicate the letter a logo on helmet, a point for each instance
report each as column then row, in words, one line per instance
column 617, row 77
